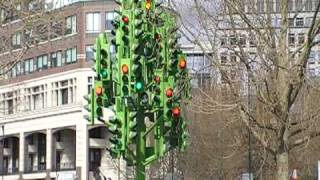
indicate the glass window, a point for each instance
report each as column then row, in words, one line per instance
column 68, row 56
column 64, row 96
column 291, row 22
column 39, row 63
column 301, row 38
column 18, row 68
column 309, row 5
column 290, row 5
column 71, row 55
column 89, row 52
column 318, row 56
column 223, row 41
column 42, row 62
column 56, row 59
column 28, row 66
column 291, row 39
column 109, row 17
column 223, row 59
column 311, row 57
column 299, row 5
column 14, row 73
column 242, row 40
column 312, row 72
column 308, row 21
column 16, row 40
column 260, row 6
column 53, row 59
column 21, row 67
column 18, row 7
column 93, row 22
column 59, row 58
column 2, row 15
column 31, row 65
column 71, row 25
column 45, row 62
column 233, row 40
column 10, row 106
column 198, row 62
column 270, row 6
column 299, row 22
column 277, row 5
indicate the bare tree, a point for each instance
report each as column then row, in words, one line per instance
column 26, row 24
column 253, row 51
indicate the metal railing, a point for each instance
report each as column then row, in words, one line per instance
column 65, row 166
column 93, row 166
column 9, row 171
column 35, row 169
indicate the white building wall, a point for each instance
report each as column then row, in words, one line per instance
column 51, row 118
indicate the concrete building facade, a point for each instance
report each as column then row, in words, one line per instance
column 43, row 132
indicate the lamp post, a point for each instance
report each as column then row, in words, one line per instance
column 249, row 133
column 2, row 127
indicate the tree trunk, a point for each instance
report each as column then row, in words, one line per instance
column 282, row 166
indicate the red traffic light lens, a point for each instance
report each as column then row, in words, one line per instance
column 182, row 63
column 169, row 92
column 99, row 90
column 157, row 79
column 175, row 111
column 125, row 19
column 125, row 69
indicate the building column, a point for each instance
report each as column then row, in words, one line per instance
column 82, row 151
column 49, row 150
column 21, row 152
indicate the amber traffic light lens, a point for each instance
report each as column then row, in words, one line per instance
column 125, row 69
column 99, row 90
column 182, row 63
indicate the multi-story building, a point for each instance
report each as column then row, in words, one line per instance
column 235, row 35
column 43, row 132
column 234, row 39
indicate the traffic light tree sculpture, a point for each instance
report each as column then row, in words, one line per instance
column 143, row 83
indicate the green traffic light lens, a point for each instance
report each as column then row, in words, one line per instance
column 99, row 111
column 139, row 86
column 104, row 73
column 125, row 90
column 99, row 101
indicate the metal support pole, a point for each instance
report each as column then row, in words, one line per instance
column 172, row 165
column 249, row 133
column 2, row 126
column 250, row 157
column 141, row 145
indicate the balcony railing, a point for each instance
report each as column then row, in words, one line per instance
column 35, row 169
column 32, row 148
column 67, row 166
column 93, row 166
column 98, row 143
column 9, row 171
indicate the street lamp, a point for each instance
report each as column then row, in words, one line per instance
column 2, row 127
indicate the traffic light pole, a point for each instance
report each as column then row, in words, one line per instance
column 140, row 150
column 148, row 69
